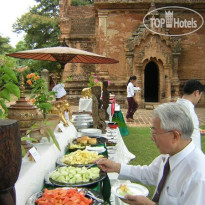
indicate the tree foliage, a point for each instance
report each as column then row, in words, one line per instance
column 40, row 24
column 41, row 29
column 4, row 45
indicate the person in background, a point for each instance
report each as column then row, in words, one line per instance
column 60, row 91
column 193, row 90
column 183, row 161
column 132, row 104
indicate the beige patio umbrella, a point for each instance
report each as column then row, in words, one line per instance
column 63, row 55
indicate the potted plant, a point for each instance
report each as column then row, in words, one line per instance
column 40, row 95
column 41, row 98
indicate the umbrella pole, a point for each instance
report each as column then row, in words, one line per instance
column 62, row 69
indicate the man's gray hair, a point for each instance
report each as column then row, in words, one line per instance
column 174, row 116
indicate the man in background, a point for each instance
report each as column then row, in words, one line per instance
column 60, row 91
column 61, row 106
column 193, row 90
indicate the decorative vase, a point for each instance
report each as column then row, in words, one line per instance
column 25, row 113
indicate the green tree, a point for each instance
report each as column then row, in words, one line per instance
column 4, row 45
column 41, row 29
column 40, row 24
column 6, row 48
column 21, row 45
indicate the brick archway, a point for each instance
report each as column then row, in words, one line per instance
column 151, row 82
column 146, row 46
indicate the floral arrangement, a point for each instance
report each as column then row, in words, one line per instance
column 40, row 96
column 94, row 81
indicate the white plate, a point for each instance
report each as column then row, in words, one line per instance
column 136, row 189
column 96, row 149
column 91, row 132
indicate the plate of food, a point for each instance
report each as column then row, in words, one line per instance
column 85, row 195
column 75, row 146
column 74, row 176
column 79, row 158
column 111, row 143
column 85, row 140
column 121, row 190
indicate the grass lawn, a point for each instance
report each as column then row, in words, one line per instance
column 140, row 144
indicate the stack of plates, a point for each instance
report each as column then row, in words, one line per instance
column 82, row 121
column 92, row 132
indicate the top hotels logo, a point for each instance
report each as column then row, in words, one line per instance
column 179, row 20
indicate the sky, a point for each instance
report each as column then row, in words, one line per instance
column 10, row 10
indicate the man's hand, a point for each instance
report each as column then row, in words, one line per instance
column 137, row 200
column 108, row 166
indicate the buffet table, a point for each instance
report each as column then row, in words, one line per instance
column 31, row 177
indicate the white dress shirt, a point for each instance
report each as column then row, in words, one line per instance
column 130, row 90
column 196, row 136
column 185, row 183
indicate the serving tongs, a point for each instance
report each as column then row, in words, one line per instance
column 91, row 195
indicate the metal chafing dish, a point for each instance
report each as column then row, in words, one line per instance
column 82, row 121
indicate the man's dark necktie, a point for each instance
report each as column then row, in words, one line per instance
column 162, row 181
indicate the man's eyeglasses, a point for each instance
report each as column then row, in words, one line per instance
column 158, row 133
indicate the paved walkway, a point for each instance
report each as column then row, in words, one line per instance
column 143, row 117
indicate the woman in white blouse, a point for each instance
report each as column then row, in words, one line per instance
column 132, row 104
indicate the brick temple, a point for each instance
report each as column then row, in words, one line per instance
column 115, row 28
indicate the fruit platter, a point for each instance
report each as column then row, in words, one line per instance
column 79, row 158
column 74, row 176
column 65, row 196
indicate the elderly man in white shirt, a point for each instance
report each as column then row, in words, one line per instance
column 185, row 183
column 193, row 90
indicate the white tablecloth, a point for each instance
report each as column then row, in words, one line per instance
column 121, row 155
column 86, row 105
column 31, row 178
